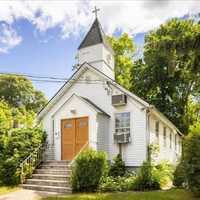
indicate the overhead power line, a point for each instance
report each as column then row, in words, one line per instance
column 51, row 79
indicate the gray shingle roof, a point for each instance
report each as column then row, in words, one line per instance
column 95, row 106
column 95, row 36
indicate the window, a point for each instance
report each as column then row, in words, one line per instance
column 122, row 123
column 170, row 140
column 175, row 142
column 157, row 131
column 180, row 146
column 164, row 136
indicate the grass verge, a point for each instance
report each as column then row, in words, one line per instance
column 175, row 194
column 7, row 189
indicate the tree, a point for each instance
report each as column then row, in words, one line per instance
column 118, row 168
column 6, row 119
column 124, row 49
column 19, row 92
column 191, row 157
column 170, row 75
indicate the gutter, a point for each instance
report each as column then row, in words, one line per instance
column 152, row 109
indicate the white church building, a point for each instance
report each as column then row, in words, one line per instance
column 92, row 110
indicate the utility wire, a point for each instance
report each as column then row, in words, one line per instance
column 33, row 76
column 52, row 79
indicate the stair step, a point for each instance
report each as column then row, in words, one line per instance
column 56, row 166
column 57, row 161
column 51, row 177
column 47, row 188
column 48, row 182
column 52, row 171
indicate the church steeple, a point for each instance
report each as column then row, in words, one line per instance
column 95, row 36
column 96, row 50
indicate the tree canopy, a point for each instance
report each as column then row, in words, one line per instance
column 19, row 92
column 169, row 77
column 124, row 49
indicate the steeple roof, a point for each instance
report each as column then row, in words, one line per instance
column 95, row 36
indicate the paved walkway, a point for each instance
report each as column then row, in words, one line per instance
column 25, row 195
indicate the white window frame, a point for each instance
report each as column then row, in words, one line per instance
column 170, row 139
column 164, row 136
column 180, row 144
column 157, row 131
column 175, row 142
column 130, row 125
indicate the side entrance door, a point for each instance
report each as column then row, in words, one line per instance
column 74, row 135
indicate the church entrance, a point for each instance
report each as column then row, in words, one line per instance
column 74, row 135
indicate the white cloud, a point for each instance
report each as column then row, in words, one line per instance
column 8, row 38
column 142, row 16
column 73, row 17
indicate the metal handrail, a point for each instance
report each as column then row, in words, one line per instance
column 82, row 149
column 31, row 163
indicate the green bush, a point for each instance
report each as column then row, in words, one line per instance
column 164, row 173
column 154, row 177
column 179, row 175
column 146, row 179
column 89, row 167
column 120, row 184
column 109, row 184
column 118, row 168
column 191, row 158
column 8, row 171
column 16, row 145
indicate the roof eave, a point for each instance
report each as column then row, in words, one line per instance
column 154, row 110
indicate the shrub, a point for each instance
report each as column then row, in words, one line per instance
column 8, row 171
column 146, row 179
column 126, row 184
column 118, row 168
column 120, row 184
column 154, row 177
column 89, row 167
column 16, row 145
column 191, row 158
column 164, row 173
column 179, row 175
column 109, row 184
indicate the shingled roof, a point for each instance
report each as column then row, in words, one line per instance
column 95, row 36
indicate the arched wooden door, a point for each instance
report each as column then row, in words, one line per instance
column 74, row 135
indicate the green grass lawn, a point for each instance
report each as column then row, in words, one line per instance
column 160, row 195
column 4, row 189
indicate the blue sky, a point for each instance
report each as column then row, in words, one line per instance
column 42, row 39
column 36, row 56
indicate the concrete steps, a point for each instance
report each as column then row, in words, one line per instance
column 54, row 166
column 59, row 183
column 48, row 188
column 51, row 176
column 52, row 171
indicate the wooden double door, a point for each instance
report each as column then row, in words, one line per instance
column 74, row 135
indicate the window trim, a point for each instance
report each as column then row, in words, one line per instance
column 175, row 142
column 126, row 111
column 157, row 131
column 164, row 136
column 170, row 139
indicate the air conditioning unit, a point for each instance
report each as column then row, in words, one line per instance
column 119, row 100
column 122, row 138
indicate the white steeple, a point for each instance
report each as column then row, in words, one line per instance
column 96, row 50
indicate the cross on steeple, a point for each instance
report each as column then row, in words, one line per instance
column 95, row 11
